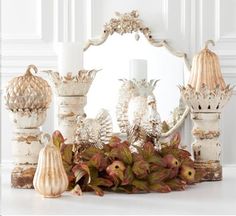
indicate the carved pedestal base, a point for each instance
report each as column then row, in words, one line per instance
column 22, row 176
column 206, row 147
column 211, row 169
column 26, row 145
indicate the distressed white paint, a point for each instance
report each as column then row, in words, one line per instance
column 68, row 110
column 23, row 151
column 185, row 24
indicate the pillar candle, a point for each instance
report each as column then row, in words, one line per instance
column 138, row 69
column 70, row 57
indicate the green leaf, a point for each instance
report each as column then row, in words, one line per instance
column 125, row 154
column 148, row 150
column 176, row 184
column 179, row 154
column 96, row 160
column 114, row 141
column 66, row 153
column 101, row 182
column 121, row 152
column 158, row 176
column 90, row 152
column 156, row 159
column 140, row 185
column 125, row 188
column 141, row 169
column 188, row 162
column 81, row 170
column 128, row 176
column 160, row 187
column 114, row 154
column 97, row 190
column 57, row 139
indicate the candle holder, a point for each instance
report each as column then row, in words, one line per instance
column 71, row 99
column 136, row 111
column 27, row 97
column 206, row 94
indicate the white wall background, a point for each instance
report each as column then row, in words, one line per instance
column 29, row 28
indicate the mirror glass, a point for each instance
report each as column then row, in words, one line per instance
column 113, row 58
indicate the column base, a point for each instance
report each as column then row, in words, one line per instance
column 22, row 176
column 212, row 170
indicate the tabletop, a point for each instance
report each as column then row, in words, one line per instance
column 203, row 198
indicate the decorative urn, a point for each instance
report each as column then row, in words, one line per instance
column 206, row 94
column 27, row 98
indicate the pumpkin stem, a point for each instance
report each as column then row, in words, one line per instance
column 209, row 42
column 33, row 67
column 46, row 139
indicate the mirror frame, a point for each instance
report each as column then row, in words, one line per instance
column 130, row 23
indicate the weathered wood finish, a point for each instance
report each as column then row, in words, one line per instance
column 68, row 110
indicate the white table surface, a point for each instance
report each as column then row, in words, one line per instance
column 203, row 198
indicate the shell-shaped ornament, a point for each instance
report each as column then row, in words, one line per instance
column 50, row 178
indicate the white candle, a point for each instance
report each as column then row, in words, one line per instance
column 138, row 69
column 70, row 57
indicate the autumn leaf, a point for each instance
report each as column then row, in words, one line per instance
column 101, row 182
column 125, row 154
column 188, row 162
column 114, row 141
column 176, row 184
column 97, row 190
column 96, row 160
column 128, row 176
column 140, row 169
column 158, row 176
column 140, row 185
column 90, row 152
column 67, row 154
column 57, row 139
column 81, row 170
column 160, row 187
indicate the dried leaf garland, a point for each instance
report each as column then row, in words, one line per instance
column 116, row 168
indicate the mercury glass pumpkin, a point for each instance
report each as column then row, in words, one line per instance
column 206, row 70
column 28, row 93
column 50, row 178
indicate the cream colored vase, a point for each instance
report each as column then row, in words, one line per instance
column 50, row 178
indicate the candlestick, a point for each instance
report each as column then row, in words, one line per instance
column 138, row 69
column 70, row 57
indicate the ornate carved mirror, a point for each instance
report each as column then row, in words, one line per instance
column 128, row 38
